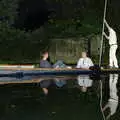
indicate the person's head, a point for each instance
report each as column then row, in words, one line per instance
column 45, row 90
column 45, row 55
column 84, row 54
column 84, row 89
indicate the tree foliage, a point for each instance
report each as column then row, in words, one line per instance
column 76, row 17
column 8, row 9
column 15, row 44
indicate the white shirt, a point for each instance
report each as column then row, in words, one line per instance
column 84, row 63
column 112, row 37
column 84, row 80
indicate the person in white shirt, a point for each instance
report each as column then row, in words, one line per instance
column 84, row 80
column 84, row 62
column 113, row 46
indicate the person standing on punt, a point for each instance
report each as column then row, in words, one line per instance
column 84, row 62
column 113, row 46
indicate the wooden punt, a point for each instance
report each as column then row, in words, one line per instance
column 29, row 74
column 29, row 70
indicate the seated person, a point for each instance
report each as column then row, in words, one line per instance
column 84, row 62
column 44, row 63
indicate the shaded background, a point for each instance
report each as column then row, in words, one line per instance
column 63, row 27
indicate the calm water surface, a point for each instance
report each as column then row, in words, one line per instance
column 66, row 98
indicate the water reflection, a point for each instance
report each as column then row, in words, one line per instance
column 44, row 85
column 112, row 103
column 59, row 82
column 63, row 100
column 84, row 82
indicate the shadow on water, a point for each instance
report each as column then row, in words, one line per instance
column 72, row 98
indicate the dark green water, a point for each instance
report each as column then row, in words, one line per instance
column 76, row 98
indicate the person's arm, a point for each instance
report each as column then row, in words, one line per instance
column 91, row 62
column 79, row 64
column 108, row 116
column 107, row 25
column 105, row 107
column 107, row 37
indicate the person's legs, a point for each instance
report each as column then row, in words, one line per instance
column 115, row 62
column 59, row 64
column 113, row 79
column 111, row 57
column 115, row 87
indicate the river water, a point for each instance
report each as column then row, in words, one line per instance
column 80, row 97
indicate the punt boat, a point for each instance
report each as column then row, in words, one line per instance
column 30, row 70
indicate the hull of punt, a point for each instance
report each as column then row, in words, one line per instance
column 35, row 75
column 21, row 72
column 37, row 72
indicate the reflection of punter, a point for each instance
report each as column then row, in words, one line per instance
column 84, row 82
column 113, row 100
column 113, row 46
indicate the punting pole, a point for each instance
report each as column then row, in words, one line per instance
column 101, row 47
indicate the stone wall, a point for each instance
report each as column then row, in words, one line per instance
column 69, row 49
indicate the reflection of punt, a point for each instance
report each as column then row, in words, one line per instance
column 29, row 70
column 29, row 79
column 29, row 74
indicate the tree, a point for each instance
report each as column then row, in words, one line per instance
column 18, row 45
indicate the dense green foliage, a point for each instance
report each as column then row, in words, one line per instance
column 15, row 44
column 18, row 45
column 75, row 17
